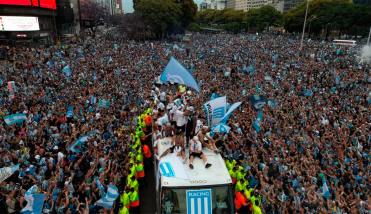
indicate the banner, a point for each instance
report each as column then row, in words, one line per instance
column 175, row 72
column 15, row 119
column 215, row 110
column 233, row 107
column 6, row 172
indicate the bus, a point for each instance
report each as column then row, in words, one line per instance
column 344, row 42
column 182, row 190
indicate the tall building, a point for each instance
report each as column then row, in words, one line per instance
column 246, row 5
column 213, row 4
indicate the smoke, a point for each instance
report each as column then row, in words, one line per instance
column 366, row 54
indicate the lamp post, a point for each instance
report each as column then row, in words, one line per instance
column 305, row 22
column 369, row 35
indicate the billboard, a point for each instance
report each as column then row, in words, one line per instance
column 48, row 4
column 19, row 23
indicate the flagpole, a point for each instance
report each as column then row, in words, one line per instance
column 305, row 22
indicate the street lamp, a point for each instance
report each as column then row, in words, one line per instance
column 369, row 35
column 305, row 22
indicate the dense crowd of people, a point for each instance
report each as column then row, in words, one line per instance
column 316, row 132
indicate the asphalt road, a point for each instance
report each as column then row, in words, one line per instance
column 147, row 191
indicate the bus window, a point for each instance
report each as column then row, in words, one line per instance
column 175, row 200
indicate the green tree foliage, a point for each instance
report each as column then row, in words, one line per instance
column 238, row 20
column 189, row 10
column 160, row 15
column 262, row 18
column 325, row 16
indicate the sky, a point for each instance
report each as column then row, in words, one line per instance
column 128, row 5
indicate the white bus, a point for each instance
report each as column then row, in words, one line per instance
column 200, row 190
column 345, row 42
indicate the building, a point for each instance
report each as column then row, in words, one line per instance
column 32, row 21
column 213, row 4
column 246, row 5
column 112, row 7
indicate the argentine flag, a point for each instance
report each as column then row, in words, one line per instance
column 325, row 190
column 35, row 203
column 15, row 119
column 109, row 198
column 6, row 172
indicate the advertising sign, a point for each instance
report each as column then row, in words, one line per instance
column 19, row 23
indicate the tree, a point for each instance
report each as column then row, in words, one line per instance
column 189, row 10
column 330, row 17
column 160, row 15
column 92, row 14
column 263, row 17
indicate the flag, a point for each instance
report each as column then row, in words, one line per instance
column 256, row 126
column 233, row 107
column 175, row 72
column 325, row 190
column 69, row 112
column 257, row 101
column 15, row 119
column 67, row 71
column 272, row 103
column 215, row 110
column 76, row 147
column 35, row 203
column 214, row 96
column 104, row 103
column 6, row 172
column 220, row 128
column 109, row 198
column 100, row 186
column 31, row 190
column 307, row 93
column 93, row 100
column 259, row 116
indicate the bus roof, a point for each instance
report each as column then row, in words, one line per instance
column 345, row 42
column 175, row 173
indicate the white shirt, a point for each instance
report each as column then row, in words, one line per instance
column 163, row 96
column 198, row 126
column 196, row 146
column 179, row 118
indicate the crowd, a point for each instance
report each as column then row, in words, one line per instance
column 317, row 132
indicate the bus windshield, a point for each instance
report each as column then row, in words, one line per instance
column 180, row 200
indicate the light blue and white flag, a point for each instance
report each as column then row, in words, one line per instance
column 215, row 110
column 214, row 96
column 220, row 128
column 35, row 204
column 69, row 112
column 76, row 147
column 307, row 93
column 31, row 190
column 93, row 100
column 67, row 71
column 325, row 190
column 233, row 107
column 100, row 186
column 6, row 172
column 258, row 101
column 256, row 125
column 104, row 103
column 15, row 119
column 109, row 198
column 175, row 72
